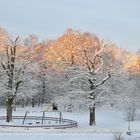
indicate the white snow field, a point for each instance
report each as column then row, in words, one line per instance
column 108, row 122
column 60, row 136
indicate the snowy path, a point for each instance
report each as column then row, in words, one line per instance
column 40, row 136
column 60, row 136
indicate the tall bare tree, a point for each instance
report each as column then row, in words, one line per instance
column 13, row 69
column 93, row 64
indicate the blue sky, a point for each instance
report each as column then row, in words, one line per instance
column 115, row 20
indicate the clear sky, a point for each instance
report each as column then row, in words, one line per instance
column 115, row 20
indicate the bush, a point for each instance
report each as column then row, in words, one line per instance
column 118, row 136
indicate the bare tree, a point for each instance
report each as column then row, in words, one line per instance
column 94, row 64
column 14, row 69
column 78, row 49
column 90, row 56
column 131, row 112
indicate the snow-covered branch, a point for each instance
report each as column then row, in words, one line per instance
column 103, row 81
column 95, row 62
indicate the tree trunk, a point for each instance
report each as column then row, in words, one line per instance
column 43, row 91
column 10, row 101
column 33, row 102
column 92, row 116
column 15, row 105
column 39, row 102
column 23, row 103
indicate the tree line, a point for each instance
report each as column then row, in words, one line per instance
column 75, row 68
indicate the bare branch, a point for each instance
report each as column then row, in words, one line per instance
column 5, row 68
column 104, row 80
column 99, row 67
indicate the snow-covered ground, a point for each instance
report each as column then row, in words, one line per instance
column 108, row 121
column 60, row 136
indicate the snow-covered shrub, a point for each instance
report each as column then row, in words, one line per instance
column 118, row 136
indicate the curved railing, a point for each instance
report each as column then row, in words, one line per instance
column 66, row 123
